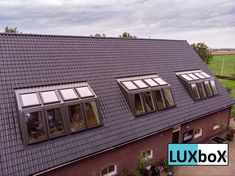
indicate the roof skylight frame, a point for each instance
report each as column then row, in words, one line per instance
column 140, row 84
column 151, row 82
column 129, row 85
column 70, row 93
column 52, row 99
column 193, row 76
column 186, row 77
column 198, row 74
column 84, row 92
column 205, row 74
column 160, row 81
column 25, row 98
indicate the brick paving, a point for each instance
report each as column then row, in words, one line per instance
column 212, row 170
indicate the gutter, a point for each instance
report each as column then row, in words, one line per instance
column 128, row 142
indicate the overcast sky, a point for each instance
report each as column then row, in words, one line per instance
column 212, row 22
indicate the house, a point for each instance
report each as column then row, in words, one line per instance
column 90, row 106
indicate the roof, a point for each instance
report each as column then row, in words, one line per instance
column 40, row 60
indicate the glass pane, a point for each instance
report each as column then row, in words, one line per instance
column 213, row 86
column 92, row 114
column 208, row 88
column 139, row 107
column 151, row 82
column 84, row 92
column 186, row 77
column 49, row 97
column 200, row 75
column 140, row 84
column 55, row 122
column 169, row 97
column 201, row 90
column 205, row 74
column 148, row 101
column 68, row 94
column 111, row 168
column 193, row 76
column 160, row 101
column 75, row 118
column 129, row 85
column 160, row 81
column 195, row 92
column 30, row 99
column 35, row 126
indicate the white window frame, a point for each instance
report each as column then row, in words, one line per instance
column 199, row 134
column 148, row 157
column 216, row 126
column 113, row 173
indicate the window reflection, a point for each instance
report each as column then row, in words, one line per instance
column 35, row 126
column 195, row 92
column 160, row 101
column 208, row 88
column 169, row 98
column 139, row 107
column 213, row 86
column 148, row 101
column 75, row 118
column 92, row 114
column 55, row 122
column 201, row 90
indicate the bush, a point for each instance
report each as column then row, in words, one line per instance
column 166, row 166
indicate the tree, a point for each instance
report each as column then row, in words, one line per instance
column 11, row 30
column 203, row 51
column 98, row 35
column 127, row 35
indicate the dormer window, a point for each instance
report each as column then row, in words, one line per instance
column 53, row 111
column 146, row 94
column 199, row 84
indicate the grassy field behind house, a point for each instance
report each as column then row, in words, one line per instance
column 228, row 70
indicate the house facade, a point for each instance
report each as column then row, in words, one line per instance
column 91, row 106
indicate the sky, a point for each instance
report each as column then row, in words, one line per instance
column 211, row 22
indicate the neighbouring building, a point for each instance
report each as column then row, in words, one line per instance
column 90, row 106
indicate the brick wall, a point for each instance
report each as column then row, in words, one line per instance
column 127, row 155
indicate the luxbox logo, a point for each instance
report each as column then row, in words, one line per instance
column 197, row 154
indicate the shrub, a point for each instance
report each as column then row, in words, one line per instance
column 166, row 166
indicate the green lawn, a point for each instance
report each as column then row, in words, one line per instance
column 229, row 65
column 228, row 70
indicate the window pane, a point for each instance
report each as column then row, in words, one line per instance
column 151, row 82
column 205, row 74
column 129, row 85
column 140, row 84
column 30, row 99
column 49, row 97
column 148, row 101
column 200, row 75
column 186, row 77
column 84, row 92
column 35, row 126
column 201, row 90
column 75, row 118
column 208, row 88
column 195, row 92
column 193, row 76
column 139, row 107
column 92, row 114
column 160, row 81
column 169, row 98
column 213, row 86
column 160, row 101
column 68, row 94
column 55, row 122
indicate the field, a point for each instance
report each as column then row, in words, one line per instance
column 228, row 62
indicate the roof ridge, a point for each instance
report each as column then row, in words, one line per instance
column 78, row 36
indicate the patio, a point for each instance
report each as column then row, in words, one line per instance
column 212, row 170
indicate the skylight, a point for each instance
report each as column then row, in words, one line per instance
column 200, row 75
column 68, row 94
column 129, row 85
column 49, row 97
column 193, row 76
column 151, row 82
column 84, row 92
column 205, row 74
column 187, row 77
column 29, row 99
column 140, row 84
column 160, row 81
